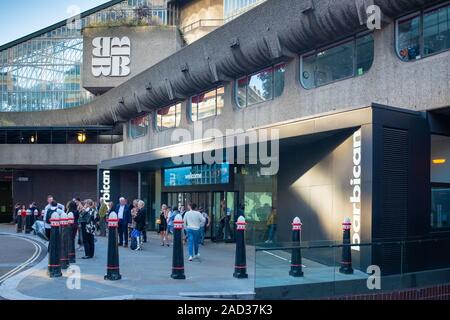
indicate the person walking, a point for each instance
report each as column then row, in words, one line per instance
column 271, row 225
column 193, row 220
column 124, row 214
column 163, row 224
column 87, row 227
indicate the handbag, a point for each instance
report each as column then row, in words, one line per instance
column 158, row 221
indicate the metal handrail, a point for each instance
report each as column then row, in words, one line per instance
column 200, row 23
column 378, row 243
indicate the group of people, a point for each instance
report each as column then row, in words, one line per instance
column 196, row 223
column 90, row 220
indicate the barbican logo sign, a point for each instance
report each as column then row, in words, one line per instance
column 111, row 57
column 355, row 183
column 106, row 186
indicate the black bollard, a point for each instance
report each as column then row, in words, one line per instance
column 28, row 222
column 346, row 264
column 178, row 258
column 296, row 258
column 240, row 265
column 54, row 266
column 19, row 222
column 64, row 255
column 71, row 237
column 112, row 268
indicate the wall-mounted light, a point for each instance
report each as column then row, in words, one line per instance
column 439, row 161
column 33, row 139
column 81, row 137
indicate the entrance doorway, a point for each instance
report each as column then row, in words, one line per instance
column 6, row 202
column 220, row 206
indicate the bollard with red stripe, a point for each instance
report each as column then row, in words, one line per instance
column 296, row 256
column 240, row 265
column 64, row 248
column 19, row 222
column 28, row 219
column 54, row 266
column 71, row 238
column 346, row 263
column 178, row 258
column 112, row 268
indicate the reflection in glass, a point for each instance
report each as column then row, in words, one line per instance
column 139, row 126
column 260, row 86
column 207, row 104
column 168, row 117
column 440, row 208
column 44, row 73
column 352, row 58
column 431, row 28
column 234, row 8
column 408, row 39
column 436, row 30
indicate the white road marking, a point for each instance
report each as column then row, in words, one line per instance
column 33, row 258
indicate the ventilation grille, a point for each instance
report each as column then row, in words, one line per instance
column 394, row 184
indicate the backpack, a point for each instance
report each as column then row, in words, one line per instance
column 48, row 215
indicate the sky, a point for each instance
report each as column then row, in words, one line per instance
column 22, row 17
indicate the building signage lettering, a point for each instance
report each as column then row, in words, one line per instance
column 111, row 57
column 355, row 182
column 106, row 186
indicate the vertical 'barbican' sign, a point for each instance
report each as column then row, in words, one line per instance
column 355, row 183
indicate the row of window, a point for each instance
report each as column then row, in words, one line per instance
column 423, row 34
column 265, row 85
column 419, row 35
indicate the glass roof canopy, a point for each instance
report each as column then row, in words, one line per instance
column 43, row 71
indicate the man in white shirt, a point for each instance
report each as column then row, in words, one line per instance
column 48, row 210
column 124, row 214
column 193, row 220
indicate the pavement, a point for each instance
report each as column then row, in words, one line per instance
column 145, row 275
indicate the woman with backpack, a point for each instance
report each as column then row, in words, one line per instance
column 87, row 226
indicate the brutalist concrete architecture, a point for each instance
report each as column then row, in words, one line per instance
column 361, row 112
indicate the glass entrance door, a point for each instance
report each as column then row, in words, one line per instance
column 223, row 214
column 220, row 207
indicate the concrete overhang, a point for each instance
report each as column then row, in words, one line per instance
column 277, row 30
column 304, row 130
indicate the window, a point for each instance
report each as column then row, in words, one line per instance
column 440, row 207
column 168, row 117
column 349, row 59
column 261, row 86
column 440, row 181
column 207, row 104
column 138, row 127
column 423, row 34
column 234, row 8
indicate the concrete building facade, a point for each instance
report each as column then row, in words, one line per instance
column 360, row 114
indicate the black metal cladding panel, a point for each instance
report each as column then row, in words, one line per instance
column 394, row 184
